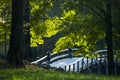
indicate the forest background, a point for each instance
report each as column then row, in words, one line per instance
column 54, row 25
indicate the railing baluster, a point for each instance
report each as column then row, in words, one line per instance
column 82, row 64
column 78, row 66
column 73, row 67
column 65, row 68
column 87, row 61
column 100, row 59
column 69, row 67
column 91, row 61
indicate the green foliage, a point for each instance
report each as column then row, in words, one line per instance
column 1, row 34
column 81, row 21
column 47, row 29
column 5, row 31
column 70, row 41
column 52, row 26
column 4, row 21
column 78, row 23
column 35, row 40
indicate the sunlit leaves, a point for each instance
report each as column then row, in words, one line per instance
column 38, row 16
column 69, row 41
column 39, row 8
column 63, row 44
column 1, row 34
column 68, row 14
column 48, row 28
column 52, row 26
column 35, row 40
column 5, row 18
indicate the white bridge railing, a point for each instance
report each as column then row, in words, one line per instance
column 79, row 65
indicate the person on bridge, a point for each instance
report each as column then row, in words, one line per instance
column 70, row 52
column 48, row 57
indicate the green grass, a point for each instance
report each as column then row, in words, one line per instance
column 40, row 74
column 34, row 73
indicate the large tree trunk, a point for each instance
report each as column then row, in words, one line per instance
column 16, row 47
column 26, row 13
column 109, row 38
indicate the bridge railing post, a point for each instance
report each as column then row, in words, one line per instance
column 65, row 68
column 87, row 61
column 95, row 57
column 100, row 59
column 69, row 68
column 82, row 64
column 91, row 61
column 73, row 67
column 78, row 66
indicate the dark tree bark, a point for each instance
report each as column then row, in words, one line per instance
column 109, row 38
column 26, row 27
column 16, row 47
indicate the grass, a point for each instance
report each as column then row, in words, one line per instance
column 41, row 74
column 34, row 73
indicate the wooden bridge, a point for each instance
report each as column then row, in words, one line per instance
column 97, row 64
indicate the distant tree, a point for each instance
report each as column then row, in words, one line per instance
column 109, row 38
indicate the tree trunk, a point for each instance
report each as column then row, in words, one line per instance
column 26, row 13
column 109, row 38
column 16, row 47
